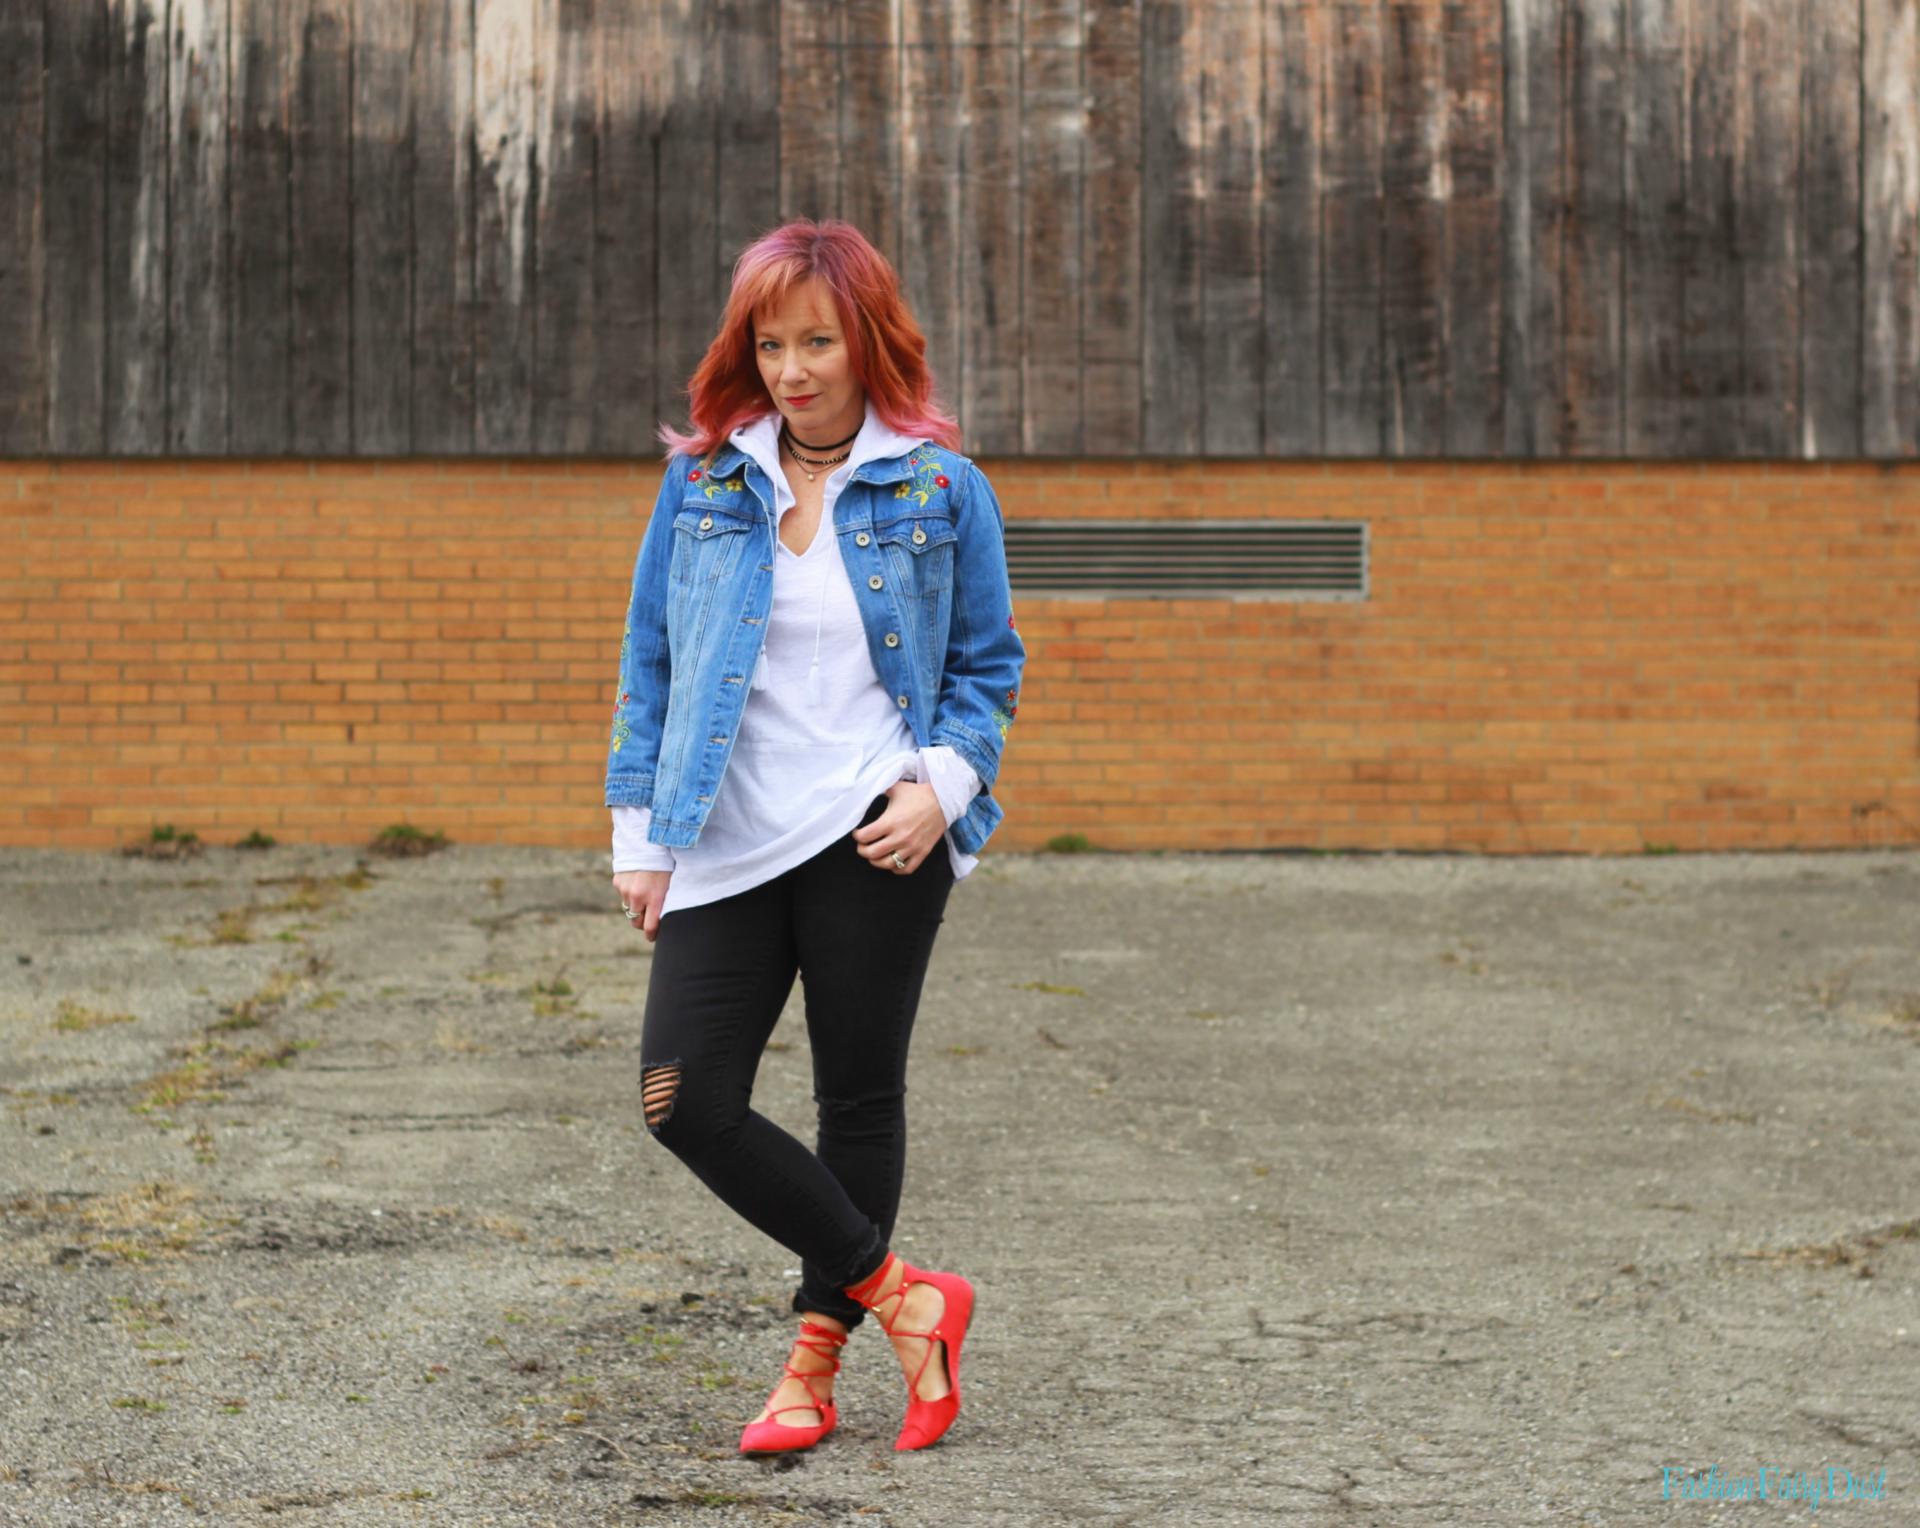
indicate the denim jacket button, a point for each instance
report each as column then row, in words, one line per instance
column 918, row 535
column 706, row 522
column 893, row 639
column 862, row 539
column 903, row 701
column 876, row 582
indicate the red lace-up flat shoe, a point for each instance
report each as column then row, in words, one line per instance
column 926, row 1421
column 771, row 1436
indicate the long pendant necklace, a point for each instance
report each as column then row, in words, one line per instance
column 793, row 450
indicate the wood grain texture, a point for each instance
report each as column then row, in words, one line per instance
column 1351, row 211
column 1173, row 321
column 1233, row 338
column 690, row 290
column 318, row 196
column 865, row 120
column 75, row 179
column 1534, row 267
column 444, row 355
column 932, row 105
column 1292, row 270
column 1831, row 296
column 1053, row 124
column 631, row 71
column 1531, row 228
column 1890, row 205
column 1110, row 212
column 136, row 252
column 199, row 296
column 811, row 86
column 565, row 340
column 1476, row 302
column 382, row 172
column 747, row 143
column 505, row 204
column 1712, row 323
column 1413, row 181
column 263, row 54
column 1592, row 424
column 1769, row 225
column 1658, row 405
column 23, row 232
column 992, row 230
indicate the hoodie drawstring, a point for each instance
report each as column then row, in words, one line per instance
column 760, row 663
column 819, row 621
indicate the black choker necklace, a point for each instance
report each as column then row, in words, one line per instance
column 808, row 464
column 795, row 440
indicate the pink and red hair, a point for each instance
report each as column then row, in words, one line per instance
column 888, row 351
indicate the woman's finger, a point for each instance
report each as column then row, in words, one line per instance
column 882, row 858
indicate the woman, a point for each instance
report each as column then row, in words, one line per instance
column 816, row 679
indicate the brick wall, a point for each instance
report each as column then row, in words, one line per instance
column 1579, row 658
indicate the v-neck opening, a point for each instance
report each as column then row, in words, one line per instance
column 817, row 527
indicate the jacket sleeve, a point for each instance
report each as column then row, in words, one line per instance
column 980, row 682
column 640, row 703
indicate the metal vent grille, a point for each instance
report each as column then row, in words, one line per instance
column 1256, row 559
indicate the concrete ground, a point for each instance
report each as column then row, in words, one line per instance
column 1299, row 1189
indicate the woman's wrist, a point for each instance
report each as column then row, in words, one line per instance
column 631, row 848
column 951, row 777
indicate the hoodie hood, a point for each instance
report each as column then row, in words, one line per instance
column 877, row 441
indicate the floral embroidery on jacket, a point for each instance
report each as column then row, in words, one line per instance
column 621, row 731
column 731, row 485
column 927, row 476
column 1003, row 719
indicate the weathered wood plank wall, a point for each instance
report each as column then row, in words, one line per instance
column 1400, row 228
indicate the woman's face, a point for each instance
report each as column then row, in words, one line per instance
column 806, row 367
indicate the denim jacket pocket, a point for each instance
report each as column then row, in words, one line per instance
column 920, row 550
column 707, row 540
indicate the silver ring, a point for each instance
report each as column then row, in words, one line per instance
column 626, row 912
column 899, row 861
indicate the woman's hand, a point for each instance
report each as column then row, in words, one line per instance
column 641, row 893
column 912, row 824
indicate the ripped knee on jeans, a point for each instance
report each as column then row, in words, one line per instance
column 659, row 1087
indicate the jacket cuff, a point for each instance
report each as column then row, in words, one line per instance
column 629, row 790
column 978, row 754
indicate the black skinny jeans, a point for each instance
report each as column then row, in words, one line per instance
column 860, row 938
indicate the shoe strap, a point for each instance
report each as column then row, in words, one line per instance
column 816, row 1404
column 813, row 1330
column 810, row 1333
column 899, row 1293
column 858, row 1292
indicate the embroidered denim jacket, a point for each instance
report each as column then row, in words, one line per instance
column 920, row 536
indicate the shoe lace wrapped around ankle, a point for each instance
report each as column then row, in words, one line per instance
column 810, row 1336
